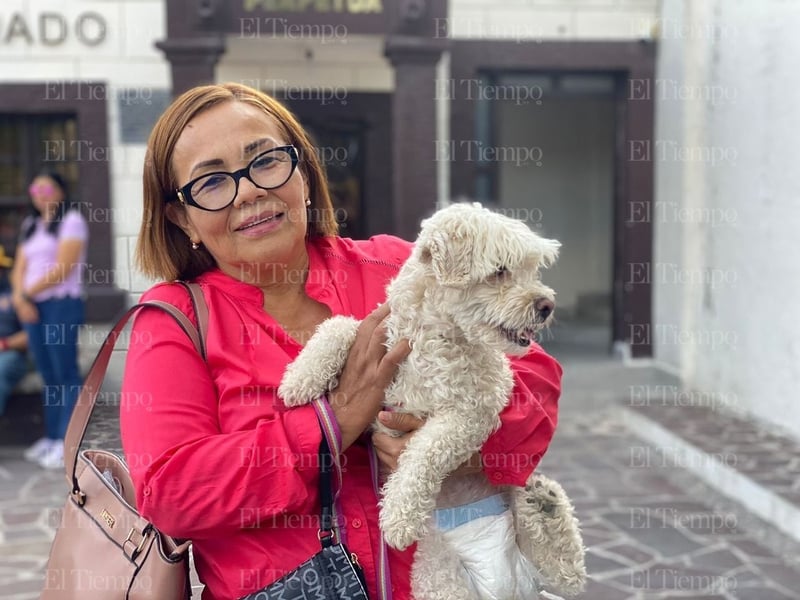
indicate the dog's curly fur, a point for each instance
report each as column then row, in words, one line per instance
column 469, row 295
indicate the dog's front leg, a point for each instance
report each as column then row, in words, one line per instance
column 435, row 450
column 315, row 370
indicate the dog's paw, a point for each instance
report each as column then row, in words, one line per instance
column 302, row 384
column 294, row 393
column 401, row 532
column 401, row 522
column 291, row 401
column 549, row 534
column 544, row 497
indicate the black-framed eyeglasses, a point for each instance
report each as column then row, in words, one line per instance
column 217, row 190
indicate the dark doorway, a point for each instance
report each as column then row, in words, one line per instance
column 548, row 158
column 352, row 137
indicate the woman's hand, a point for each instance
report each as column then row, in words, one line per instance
column 26, row 310
column 387, row 447
column 368, row 370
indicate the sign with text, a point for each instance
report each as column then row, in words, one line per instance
column 52, row 28
column 307, row 18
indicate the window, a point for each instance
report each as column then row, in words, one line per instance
column 29, row 145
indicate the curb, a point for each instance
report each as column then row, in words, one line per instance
column 780, row 513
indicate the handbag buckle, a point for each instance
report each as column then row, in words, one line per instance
column 79, row 497
column 140, row 546
column 327, row 535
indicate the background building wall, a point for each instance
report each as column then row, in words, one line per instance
column 335, row 64
column 727, row 212
column 553, row 19
column 137, row 78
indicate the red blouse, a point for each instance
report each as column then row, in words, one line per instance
column 218, row 459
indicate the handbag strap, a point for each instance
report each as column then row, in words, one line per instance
column 79, row 421
column 329, row 458
column 327, row 529
column 200, row 311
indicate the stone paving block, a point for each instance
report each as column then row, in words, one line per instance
column 763, row 593
column 718, row 560
column 665, row 539
column 600, row 564
column 633, row 554
column 782, row 574
column 678, row 578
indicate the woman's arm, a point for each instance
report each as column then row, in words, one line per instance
column 15, row 341
column 17, row 274
column 528, row 423
column 25, row 309
column 192, row 480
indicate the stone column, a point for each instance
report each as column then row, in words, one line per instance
column 192, row 60
column 414, row 173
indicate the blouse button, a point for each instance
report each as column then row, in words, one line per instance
column 357, row 523
column 147, row 490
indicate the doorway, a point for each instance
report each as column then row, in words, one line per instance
column 353, row 142
column 550, row 143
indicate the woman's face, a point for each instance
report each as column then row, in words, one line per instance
column 262, row 229
column 46, row 195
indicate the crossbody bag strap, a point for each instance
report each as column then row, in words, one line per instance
column 328, row 532
column 79, row 421
column 200, row 312
column 329, row 458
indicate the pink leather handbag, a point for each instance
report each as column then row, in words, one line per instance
column 103, row 548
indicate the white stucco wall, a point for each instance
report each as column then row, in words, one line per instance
column 126, row 61
column 731, row 326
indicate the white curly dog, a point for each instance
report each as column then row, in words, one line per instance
column 469, row 295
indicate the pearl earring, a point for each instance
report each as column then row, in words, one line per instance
column 308, row 202
column 195, row 245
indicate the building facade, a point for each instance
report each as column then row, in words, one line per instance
column 533, row 107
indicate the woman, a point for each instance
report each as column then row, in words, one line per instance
column 235, row 199
column 48, row 298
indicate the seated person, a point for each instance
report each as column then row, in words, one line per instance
column 13, row 340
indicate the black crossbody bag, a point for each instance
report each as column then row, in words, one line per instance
column 332, row 573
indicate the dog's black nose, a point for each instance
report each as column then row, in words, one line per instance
column 544, row 308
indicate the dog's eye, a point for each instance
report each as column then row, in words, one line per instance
column 501, row 272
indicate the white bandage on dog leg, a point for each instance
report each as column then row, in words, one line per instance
column 482, row 535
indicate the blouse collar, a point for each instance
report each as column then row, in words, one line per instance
column 317, row 282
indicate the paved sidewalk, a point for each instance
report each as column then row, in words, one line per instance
column 653, row 532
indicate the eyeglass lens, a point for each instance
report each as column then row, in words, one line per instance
column 269, row 170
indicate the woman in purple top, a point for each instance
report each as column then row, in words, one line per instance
column 48, row 298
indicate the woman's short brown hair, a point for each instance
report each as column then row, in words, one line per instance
column 163, row 250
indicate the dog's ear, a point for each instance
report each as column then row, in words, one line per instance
column 449, row 255
column 549, row 249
